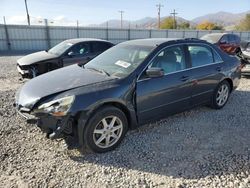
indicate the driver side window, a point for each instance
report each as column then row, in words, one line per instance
column 170, row 59
column 80, row 49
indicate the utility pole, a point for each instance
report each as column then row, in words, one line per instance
column 77, row 28
column 121, row 12
column 7, row 34
column 4, row 21
column 159, row 6
column 174, row 13
column 27, row 12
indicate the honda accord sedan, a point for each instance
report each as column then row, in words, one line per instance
column 131, row 84
column 65, row 53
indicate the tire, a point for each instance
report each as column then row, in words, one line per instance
column 223, row 87
column 99, row 130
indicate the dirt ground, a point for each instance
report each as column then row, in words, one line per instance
column 198, row 148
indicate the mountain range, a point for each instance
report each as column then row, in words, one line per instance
column 225, row 19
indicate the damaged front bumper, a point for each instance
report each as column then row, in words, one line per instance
column 246, row 70
column 54, row 127
column 26, row 72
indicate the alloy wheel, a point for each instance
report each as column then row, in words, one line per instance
column 107, row 132
column 222, row 95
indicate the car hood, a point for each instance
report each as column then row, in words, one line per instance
column 55, row 82
column 35, row 57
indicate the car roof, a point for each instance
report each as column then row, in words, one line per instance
column 77, row 40
column 216, row 34
column 158, row 41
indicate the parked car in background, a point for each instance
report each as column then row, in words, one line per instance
column 131, row 84
column 229, row 43
column 245, row 56
column 66, row 53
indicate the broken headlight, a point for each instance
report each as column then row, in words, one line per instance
column 58, row 107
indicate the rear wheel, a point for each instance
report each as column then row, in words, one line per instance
column 105, row 129
column 221, row 95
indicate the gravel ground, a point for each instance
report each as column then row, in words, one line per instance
column 198, row 148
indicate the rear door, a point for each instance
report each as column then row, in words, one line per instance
column 158, row 97
column 207, row 66
column 79, row 53
column 233, row 44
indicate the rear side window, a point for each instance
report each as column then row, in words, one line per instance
column 232, row 38
column 100, row 46
column 224, row 39
column 237, row 38
column 200, row 55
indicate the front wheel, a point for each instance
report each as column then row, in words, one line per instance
column 221, row 95
column 105, row 129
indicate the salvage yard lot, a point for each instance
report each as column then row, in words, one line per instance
column 198, row 148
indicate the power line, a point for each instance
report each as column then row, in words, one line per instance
column 121, row 12
column 174, row 13
column 159, row 6
column 27, row 12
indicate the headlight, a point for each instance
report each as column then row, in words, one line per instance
column 58, row 107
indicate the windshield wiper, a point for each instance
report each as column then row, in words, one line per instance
column 99, row 70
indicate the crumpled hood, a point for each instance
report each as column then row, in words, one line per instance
column 35, row 57
column 55, row 82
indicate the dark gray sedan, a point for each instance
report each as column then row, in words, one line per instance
column 66, row 53
column 130, row 84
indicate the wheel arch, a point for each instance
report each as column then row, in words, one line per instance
column 82, row 118
column 118, row 105
column 230, row 81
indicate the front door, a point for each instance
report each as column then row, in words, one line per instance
column 162, row 96
column 79, row 53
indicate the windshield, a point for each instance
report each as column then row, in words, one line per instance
column 60, row 48
column 211, row 38
column 120, row 60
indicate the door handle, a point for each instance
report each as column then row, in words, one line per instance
column 218, row 68
column 184, row 78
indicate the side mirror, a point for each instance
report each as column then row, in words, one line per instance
column 154, row 72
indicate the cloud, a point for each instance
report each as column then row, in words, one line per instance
column 16, row 19
column 60, row 20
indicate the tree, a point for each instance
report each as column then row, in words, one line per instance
column 184, row 25
column 168, row 23
column 208, row 26
column 244, row 24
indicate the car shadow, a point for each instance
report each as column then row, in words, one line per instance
column 195, row 144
